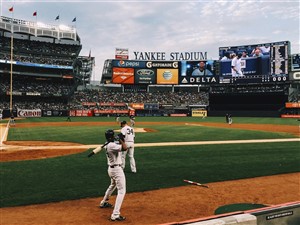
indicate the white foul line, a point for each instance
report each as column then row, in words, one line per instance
column 14, row 147
column 3, row 134
column 217, row 142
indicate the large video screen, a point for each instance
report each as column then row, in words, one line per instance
column 260, row 63
column 295, row 62
column 198, row 72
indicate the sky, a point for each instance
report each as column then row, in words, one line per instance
column 165, row 25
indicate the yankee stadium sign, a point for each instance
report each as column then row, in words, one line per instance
column 173, row 56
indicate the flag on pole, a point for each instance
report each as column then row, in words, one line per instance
column 11, row 9
column 34, row 14
column 90, row 54
column 57, row 18
column 74, row 20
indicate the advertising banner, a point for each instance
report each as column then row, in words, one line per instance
column 81, row 112
column 199, row 113
column 128, row 64
column 178, row 114
column 295, row 105
column 137, row 105
column 110, row 111
column 121, row 53
column 151, row 106
column 123, row 75
column 290, row 116
column 88, row 103
column 111, row 104
column 198, row 72
column 29, row 113
column 145, row 76
column 167, row 76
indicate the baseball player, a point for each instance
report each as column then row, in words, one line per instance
column 129, row 135
column 132, row 121
column 229, row 119
column 118, row 119
column 115, row 172
column 12, row 120
column 236, row 67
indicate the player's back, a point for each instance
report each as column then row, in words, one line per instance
column 128, row 132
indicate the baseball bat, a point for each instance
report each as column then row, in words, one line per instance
column 97, row 150
column 106, row 143
column 195, row 183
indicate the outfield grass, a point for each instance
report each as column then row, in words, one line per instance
column 251, row 120
column 85, row 134
column 77, row 176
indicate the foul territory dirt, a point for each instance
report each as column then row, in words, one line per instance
column 151, row 207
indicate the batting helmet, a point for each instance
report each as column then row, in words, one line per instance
column 110, row 135
column 123, row 123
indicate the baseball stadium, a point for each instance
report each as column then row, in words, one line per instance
column 209, row 150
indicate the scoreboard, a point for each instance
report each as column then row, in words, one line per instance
column 271, row 66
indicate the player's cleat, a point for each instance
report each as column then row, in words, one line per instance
column 106, row 205
column 119, row 218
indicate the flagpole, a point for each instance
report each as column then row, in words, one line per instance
column 11, row 63
column 1, row 8
column 74, row 21
column 58, row 30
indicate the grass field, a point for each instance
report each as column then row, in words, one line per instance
column 77, row 176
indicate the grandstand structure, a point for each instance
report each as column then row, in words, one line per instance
column 43, row 74
column 40, row 67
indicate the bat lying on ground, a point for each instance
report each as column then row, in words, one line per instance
column 195, row 183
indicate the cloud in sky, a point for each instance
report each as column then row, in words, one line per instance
column 166, row 25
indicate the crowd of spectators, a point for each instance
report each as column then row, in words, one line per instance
column 97, row 97
column 44, row 104
column 39, row 52
column 29, row 86
column 249, row 89
column 174, row 98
